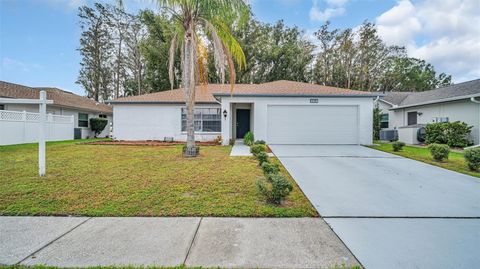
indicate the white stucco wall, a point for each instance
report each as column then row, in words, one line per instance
column 260, row 105
column 86, row 132
column 153, row 122
column 463, row 110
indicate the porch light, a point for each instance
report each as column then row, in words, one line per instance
column 225, row 113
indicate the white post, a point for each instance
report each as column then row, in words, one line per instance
column 41, row 133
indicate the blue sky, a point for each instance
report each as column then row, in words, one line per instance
column 39, row 38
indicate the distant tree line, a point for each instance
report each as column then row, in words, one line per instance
column 125, row 54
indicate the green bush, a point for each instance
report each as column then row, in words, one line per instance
column 97, row 125
column 472, row 156
column 439, row 152
column 397, row 145
column 248, row 138
column 259, row 142
column 270, row 168
column 257, row 148
column 454, row 134
column 276, row 189
column 262, row 157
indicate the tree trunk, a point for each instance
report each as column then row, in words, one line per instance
column 189, row 88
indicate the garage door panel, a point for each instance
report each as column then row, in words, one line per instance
column 312, row 125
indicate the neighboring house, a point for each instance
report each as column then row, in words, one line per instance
column 408, row 111
column 64, row 104
column 279, row 112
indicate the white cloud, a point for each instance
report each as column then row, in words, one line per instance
column 333, row 8
column 319, row 15
column 444, row 33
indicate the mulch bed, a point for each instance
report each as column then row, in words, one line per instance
column 147, row 143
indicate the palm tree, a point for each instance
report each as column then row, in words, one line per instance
column 194, row 22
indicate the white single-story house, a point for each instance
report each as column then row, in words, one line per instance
column 406, row 112
column 279, row 112
column 64, row 104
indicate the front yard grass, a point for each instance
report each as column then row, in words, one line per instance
column 106, row 180
column 455, row 162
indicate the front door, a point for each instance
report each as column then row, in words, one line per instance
column 243, row 122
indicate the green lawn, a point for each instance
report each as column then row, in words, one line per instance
column 106, row 180
column 455, row 161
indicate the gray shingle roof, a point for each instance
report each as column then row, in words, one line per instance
column 453, row 92
column 395, row 98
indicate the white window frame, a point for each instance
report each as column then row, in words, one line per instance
column 201, row 119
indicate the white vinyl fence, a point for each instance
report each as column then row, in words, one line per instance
column 22, row 127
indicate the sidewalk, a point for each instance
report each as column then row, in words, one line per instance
column 208, row 242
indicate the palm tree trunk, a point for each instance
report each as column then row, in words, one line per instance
column 189, row 88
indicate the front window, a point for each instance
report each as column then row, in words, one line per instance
column 205, row 120
column 384, row 121
column 103, row 116
column 82, row 120
column 2, row 107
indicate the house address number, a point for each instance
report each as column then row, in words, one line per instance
column 314, row 101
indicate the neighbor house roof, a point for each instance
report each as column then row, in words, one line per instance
column 60, row 97
column 445, row 94
column 207, row 93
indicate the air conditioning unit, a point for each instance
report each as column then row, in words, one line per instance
column 389, row 135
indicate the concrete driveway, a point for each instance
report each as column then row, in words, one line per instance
column 391, row 212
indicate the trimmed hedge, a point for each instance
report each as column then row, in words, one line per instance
column 454, row 134
column 472, row 157
column 270, row 168
column 262, row 157
column 257, row 148
column 439, row 152
column 397, row 145
column 275, row 188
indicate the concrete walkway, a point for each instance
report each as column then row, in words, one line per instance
column 240, row 149
column 208, row 242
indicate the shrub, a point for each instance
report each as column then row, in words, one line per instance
column 270, row 168
column 275, row 189
column 397, row 145
column 439, row 152
column 231, row 142
column 259, row 142
column 97, row 125
column 472, row 156
column 454, row 134
column 458, row 134
column 262, row 157
column 257, row 148
column 435, row 133
column 248, row 138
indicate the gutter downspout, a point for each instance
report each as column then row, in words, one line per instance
column 476, row 102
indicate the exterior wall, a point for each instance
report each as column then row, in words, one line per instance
column 463, row 110
column 260, row 105
column 153, row 122
column 86, row 132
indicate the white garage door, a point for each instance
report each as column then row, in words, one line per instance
column 312, row 124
